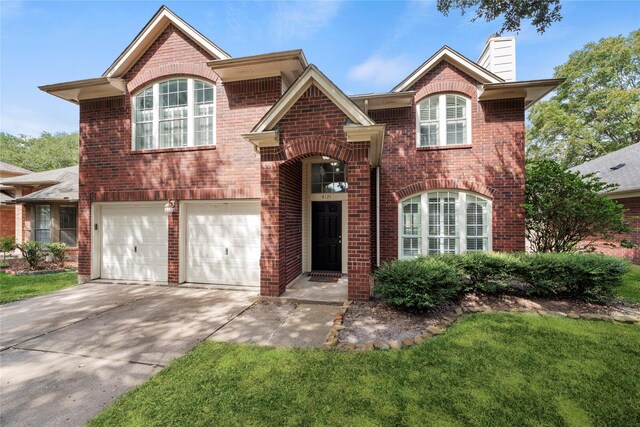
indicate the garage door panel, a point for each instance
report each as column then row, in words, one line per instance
column 223, row 243
column 134, row 243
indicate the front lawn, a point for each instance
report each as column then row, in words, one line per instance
column 630, row 287
column 488, row 369
column 14, row 288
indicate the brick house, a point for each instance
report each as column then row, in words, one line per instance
column 8, row 193
column 621, row 167
column 268, row 171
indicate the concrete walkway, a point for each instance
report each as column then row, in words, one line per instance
column 280, row 324
column 67, row 355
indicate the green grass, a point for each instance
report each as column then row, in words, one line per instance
column 488, row 369
column 14, row 288
column 630, row 287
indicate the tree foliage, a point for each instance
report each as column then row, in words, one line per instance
column 46, row 152
column 596, row 110
column 563, row 208
column 541, row 12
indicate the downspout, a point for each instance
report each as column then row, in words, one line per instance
column 378, row 216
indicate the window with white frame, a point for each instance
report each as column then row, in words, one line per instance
column 441, row 222
column 174, row 113
column 42, row 223
column 444, row 119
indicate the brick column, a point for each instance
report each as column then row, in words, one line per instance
column 359, row 255
column 272, row 271
column 173, row 234
column 84, row 239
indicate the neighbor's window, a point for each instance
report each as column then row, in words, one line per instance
column 174, row 113
column 42, row 223
column 328, row 178
column 444, row 120
column 454, row 222
column 68, row 225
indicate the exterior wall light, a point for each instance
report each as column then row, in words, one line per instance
column 169, row 206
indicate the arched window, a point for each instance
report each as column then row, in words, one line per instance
column 443, row 221
column 174, row 113
column 444, row 120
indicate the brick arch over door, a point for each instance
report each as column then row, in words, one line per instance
column 175, row 69
column 310, row 146
column 438, row 184
column 461, row 87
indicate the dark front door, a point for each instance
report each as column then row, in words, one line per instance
column 326, row 236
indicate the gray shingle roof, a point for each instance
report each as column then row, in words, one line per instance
column 609, row 170
column 8, row 167
column 36, row 178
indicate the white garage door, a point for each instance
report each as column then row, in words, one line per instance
column 223, row 243
column 134, row 243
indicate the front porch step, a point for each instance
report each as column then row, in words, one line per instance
column 334, row 274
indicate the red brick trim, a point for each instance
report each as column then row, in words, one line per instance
column 174, row 69
column 174, row 150
column 177, row 194
column 455, row 184
column 458, row 86
column 309, row 146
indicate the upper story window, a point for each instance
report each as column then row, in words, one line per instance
column 174, row 113
column 441, row 222
column 328, row 177
column 444, row 120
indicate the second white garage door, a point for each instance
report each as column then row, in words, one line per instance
column 223, row 243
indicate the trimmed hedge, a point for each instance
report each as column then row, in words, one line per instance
column 429, row 281
column 418, row 283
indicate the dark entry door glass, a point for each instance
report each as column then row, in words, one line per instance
column 326, row 236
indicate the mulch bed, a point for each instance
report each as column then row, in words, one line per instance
column 374, row 321
column 18, row 267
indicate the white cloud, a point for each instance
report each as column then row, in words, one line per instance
column 380, row 71
column 302, row 19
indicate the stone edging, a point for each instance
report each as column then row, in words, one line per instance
column 36, row 272
column 445, row 322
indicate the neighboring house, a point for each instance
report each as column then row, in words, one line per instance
column 269, row 171
column 621, row 167
column 47, row 206
column 8, row 217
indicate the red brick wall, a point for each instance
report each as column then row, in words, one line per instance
column 7, row 221
column 632, row 205
column 111, row 171
column 292, row 200
column 492, row 165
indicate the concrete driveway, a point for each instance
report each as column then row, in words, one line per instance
column 67, row 355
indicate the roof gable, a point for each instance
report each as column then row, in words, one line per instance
column 160, row 21
column 454, row 58
column 311, row 76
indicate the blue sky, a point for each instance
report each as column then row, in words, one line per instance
column 362, row 46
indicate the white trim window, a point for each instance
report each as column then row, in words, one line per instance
column 174, row 113
column 42, row 223
column 454, row 222
column 443, row 120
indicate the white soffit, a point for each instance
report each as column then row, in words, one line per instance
column 150, row 33
column 288, row 64
column 311, row 76
column 532, row 90
column 76, row 91
column 454, row 58
column 383, row 101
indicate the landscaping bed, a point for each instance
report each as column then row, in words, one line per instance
column 19, row 267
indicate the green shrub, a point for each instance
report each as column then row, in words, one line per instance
column 418, row 283
column 33, row 253
column 589, row 277
column 488, row 272
column 58, row 251
column 7, row 244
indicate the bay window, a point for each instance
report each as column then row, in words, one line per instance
column 174, row 113
column 440, row 222
column 443, row 120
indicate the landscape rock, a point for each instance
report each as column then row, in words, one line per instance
column 381, row 345
column 435, row 330
column 395, row 344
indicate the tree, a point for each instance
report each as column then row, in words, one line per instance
column 563, row 208
column 596, row 110
column 541, row 12
column 46, row 152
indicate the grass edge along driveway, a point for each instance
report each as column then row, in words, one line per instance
column 488, row 369
column 15, row 288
